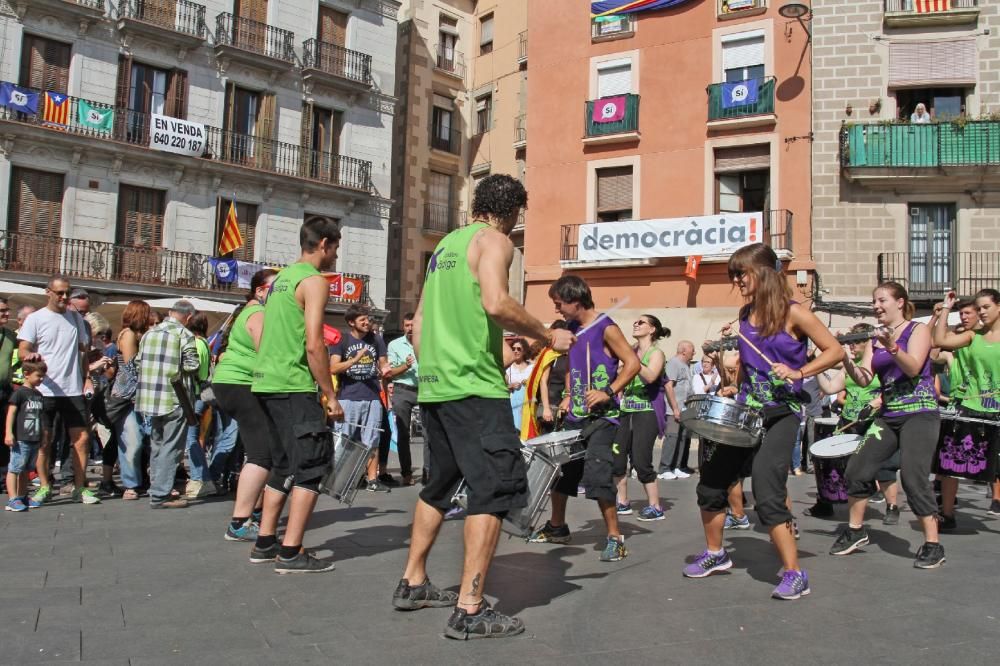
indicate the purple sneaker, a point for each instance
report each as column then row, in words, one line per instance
column 794, row 584
column 707, row 564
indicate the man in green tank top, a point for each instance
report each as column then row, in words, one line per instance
column 458, row 339
column 291, row 362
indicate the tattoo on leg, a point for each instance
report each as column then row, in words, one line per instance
column 475, row 583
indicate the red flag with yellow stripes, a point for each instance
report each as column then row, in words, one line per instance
column 55, row 109
column 231, row 239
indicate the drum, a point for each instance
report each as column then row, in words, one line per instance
column 723, row 420
column 542, row 473
column 350, row 459
column 825, row 427
column 830, row 456
column 559, row 447
column 967, row 448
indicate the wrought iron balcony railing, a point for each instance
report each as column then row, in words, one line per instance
column 452, row 63
column 442, row 219
column 719, row 109
column 629, row 122
column 337, row 60
column 447, row 139
column 254, row 37
column 178, row 15
column 927, row 275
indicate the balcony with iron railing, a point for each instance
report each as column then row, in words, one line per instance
column 442, row 219
column 98, row 261
column 254, row 42
column 736, row 112
column 625, row 128
column 82, row 9
column 520, row 134
column 607, row 28
column 223, row 146
column 451, row 63
column 778, row 226
column 446, row 139
column 168, row 19
column 335, row 65
column 928, row 275
column 923, row 13
column 522, row 47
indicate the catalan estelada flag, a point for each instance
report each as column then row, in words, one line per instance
column 56, row 109
column 231, row 239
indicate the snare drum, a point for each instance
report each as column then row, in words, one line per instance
column 830, row 456
column 559, row 447
column 967, row 447
column 723, row 420
column 350, row 459
column 542, row 473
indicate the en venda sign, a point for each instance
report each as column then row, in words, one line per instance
column 674, row 237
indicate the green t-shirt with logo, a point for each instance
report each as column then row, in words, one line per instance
column 282, row 366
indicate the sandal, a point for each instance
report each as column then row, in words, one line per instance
column 130, row 494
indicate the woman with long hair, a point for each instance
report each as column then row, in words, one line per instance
column 900, row 358
column 774, row 332
column 130, row 429
column 231, row 384
column 643, row 419
column 980, row 354
column 518, row 374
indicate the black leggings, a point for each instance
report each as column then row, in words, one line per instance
column 239, row 403
column 635, row 438
column 726, row 465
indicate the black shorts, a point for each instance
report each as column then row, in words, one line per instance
column 474, row 438
column 72, row 409
column 237, row 402
column 302, row 444
column 596, row 471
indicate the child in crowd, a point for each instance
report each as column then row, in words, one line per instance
column 24, row 434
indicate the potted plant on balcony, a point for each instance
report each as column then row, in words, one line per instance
column 875, row 106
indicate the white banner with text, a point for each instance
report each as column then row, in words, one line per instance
column 723, row 233
column 173, row 135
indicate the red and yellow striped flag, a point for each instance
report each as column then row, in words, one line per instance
column 231, row 239
column 56, row 109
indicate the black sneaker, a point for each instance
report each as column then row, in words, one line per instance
column 994, row 508
column 946, row 523
column 487, row 623
column 849, row 541
column 109, row 489
column 413, row 597
column 550, row 534
column 302, row 563
column 930, row 556
column 388, row 480
column 877, row 498
column 262, row 555
column 820, row 509
column 891, row 515
column 375, row 486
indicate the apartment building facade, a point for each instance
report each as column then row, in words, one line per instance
column 154, row 116
column 901, row 195
column 671, row 145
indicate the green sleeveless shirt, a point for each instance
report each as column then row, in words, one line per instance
column 281, row 359
column 981, row 370
column 237, row 364
column 461, row 348
column 635, row 397
column 858, row 397
column 957, row 381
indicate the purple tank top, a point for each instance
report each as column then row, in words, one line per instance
column 760, row 388
column 603, row 369
column 902, row 395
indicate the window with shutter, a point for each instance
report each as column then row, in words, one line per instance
column 614, row 193
column 176, row 103
column 742, row 158
column 614, row 79
column 139, row 234
column 246, row 219
column 45, row 64
column 743, row 56
column 484, row 113
column 486, row 34
column 926, row 63
column 332, row 26
column 35, row 220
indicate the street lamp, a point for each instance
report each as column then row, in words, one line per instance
column 796, row 10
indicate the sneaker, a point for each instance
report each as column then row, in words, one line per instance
column 36, row 482
column 994, row 508
column 376, row 486
column 651, row 513
column 30, row 502
column 930, row 556
column 16, row 505
column 487, row 623
column 794, row 584
column 820, row 509
column 428, row 595
column 304, row 562
column 550, row 534
column 891, row 515
column 624, row 509
column 43, row 494
column 193, row 489
column 246, row 532
column 262, row 555
column 172, row 503
column 734, row 523
column 946, row 523
column 666, row 476
column 388, row 481
column 681, row 474
column 849, row 541
column 86, row 496
column 707, row 564
column 109, row 489
column 877, row 498
column 614, row 550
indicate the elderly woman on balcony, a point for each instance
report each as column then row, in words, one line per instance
column 920, row 115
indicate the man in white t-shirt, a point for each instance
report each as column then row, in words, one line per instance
column 58, row 336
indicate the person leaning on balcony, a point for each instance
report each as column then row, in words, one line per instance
column 920, row 115
column 58, row 336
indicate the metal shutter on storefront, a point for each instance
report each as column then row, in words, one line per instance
column 924, row 63
column 742, row 158
column 614, row 78
column 743, row 50
column 614, row 189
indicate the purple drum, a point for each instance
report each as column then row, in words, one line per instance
column 831, row 484
column 967, row 448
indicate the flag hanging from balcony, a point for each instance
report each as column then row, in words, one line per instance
column 927, row 6
column 56, row 109
column 609, row 109
column 17, row 98
column 225, row 270
column 691, row 268
column 231, row 239
column 94, row 118
column 352, row 289
column 609, row 7
column 740, row 93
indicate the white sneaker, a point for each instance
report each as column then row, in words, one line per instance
column 666, row 476
column 680, row 474
column 192, row 489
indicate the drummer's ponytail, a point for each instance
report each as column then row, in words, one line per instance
column 898, row 292
column 659, row 332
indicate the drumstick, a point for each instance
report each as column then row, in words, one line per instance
column 846, row 426
column 761, row 354
column 617, row 306
column 588, row 367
